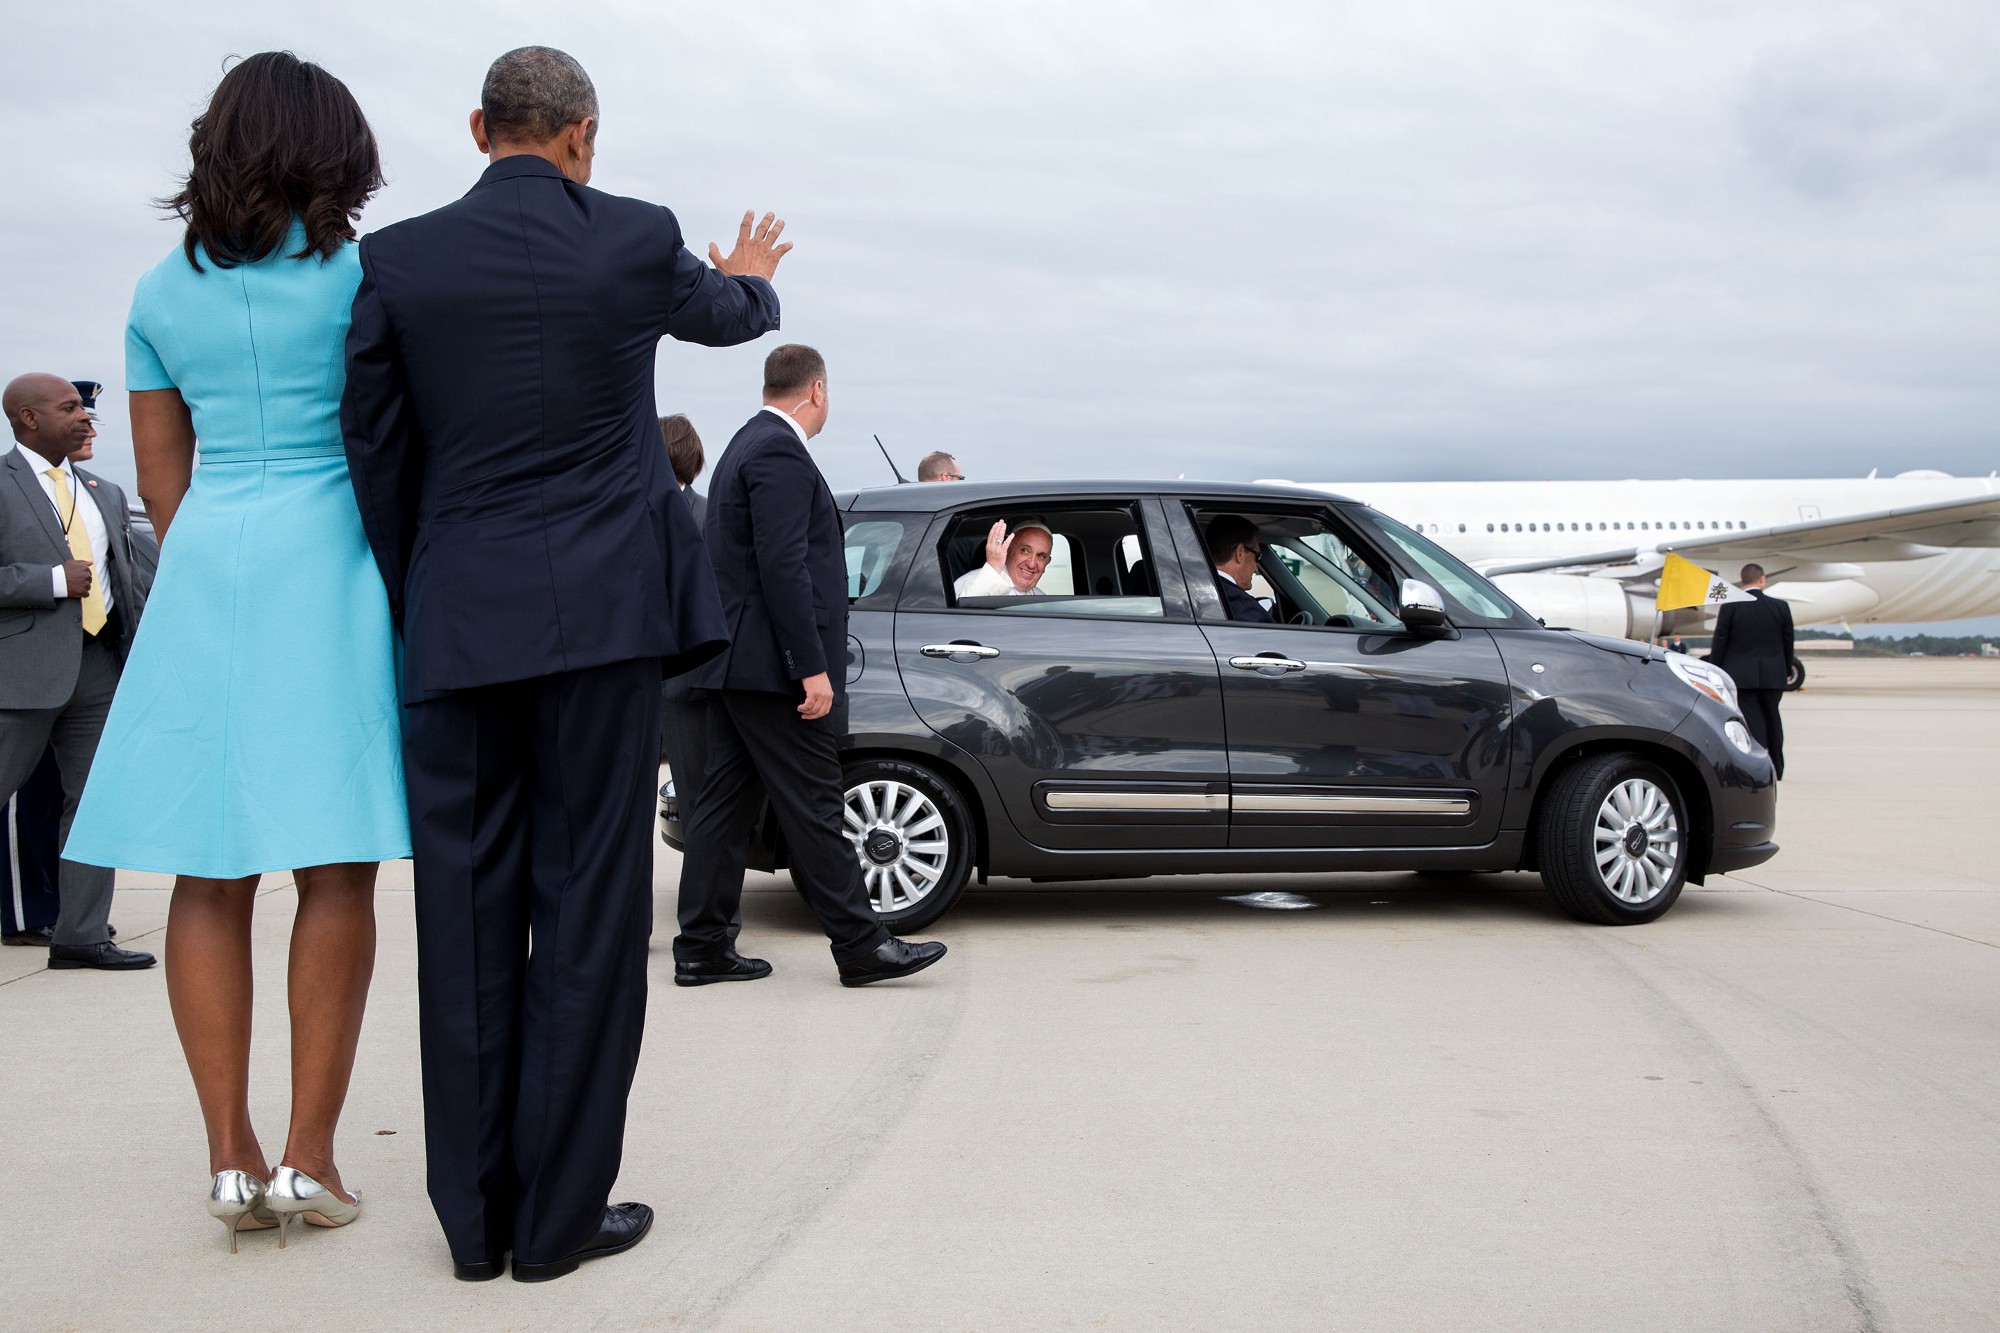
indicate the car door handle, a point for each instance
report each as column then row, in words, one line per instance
column 958, row 650
column 1267, row 662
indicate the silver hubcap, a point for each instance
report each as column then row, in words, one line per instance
column 900, row 838
column 1638, row 841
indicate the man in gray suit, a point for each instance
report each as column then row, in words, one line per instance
column 70, row 600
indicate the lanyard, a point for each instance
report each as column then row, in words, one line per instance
column 73, row 498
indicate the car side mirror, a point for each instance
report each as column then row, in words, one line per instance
column 1421, row 607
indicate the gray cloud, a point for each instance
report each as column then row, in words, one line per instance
column 1320, row 241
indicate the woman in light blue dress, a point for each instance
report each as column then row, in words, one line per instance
column 256, row 725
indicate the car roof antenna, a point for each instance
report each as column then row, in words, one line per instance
column 901, row 480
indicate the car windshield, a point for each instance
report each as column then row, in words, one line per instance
column 1469, row 599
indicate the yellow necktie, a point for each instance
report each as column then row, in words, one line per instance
column 79, row 546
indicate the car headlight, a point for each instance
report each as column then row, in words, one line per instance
column 1710, row 679
column 1739, row 736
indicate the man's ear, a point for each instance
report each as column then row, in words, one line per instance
column 478, row 122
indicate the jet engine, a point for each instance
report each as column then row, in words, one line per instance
column 1574, row 601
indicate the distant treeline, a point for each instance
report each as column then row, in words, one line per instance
column 1910, row 645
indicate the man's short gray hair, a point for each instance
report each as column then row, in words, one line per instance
column 533, row 93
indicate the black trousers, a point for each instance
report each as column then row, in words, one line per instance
column 1760, row 714
column 757, row 743
column 531, row 810
column 684, row 741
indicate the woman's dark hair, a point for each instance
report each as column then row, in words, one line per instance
column 683, row 448
column 281, row 138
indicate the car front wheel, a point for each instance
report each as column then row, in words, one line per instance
column 911, row 834
column 1612, row 841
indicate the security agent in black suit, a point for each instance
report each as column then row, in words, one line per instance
column 1753, row 643
column 776, row 541
column 1235, row 548
column 505, row 451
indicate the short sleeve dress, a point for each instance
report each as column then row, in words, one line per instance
column 256, row 726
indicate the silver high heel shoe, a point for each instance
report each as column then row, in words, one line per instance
column 240, row 1202
column 296, row 1194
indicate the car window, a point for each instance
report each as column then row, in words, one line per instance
column 1310, row 573
column 1059, row 579
column 871, row 552
column 1098, row 563
column 1469, row 599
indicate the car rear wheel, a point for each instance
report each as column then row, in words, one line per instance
column 1613, row 841
column 910, row 832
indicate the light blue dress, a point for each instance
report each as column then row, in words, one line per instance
column 256, row 726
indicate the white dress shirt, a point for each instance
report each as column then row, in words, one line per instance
column 786, row 417
column 87, row 514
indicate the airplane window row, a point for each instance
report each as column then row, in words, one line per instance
column 1671, row 526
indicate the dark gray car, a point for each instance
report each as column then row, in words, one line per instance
column 1398, row 713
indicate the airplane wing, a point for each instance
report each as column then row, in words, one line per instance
column 1909, row 533
column 1581, row 563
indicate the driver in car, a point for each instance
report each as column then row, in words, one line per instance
column 1015, row 562
column 1235, row 547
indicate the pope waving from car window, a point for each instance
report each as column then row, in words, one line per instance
column 1015, row 562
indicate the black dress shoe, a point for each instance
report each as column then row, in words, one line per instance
column 625, row 1225
column 895, row 958
column 106, row 957
column 42, row 936
column 728, row 965
column 483, row 1272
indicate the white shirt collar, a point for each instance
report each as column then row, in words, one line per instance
column 41, row 465
column 786, row 417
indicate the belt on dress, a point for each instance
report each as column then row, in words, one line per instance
column 273, row 455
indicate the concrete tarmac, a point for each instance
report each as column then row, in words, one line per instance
column 1424, row 1105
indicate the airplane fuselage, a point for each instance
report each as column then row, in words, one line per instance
column 1502, row 523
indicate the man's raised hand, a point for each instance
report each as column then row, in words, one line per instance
column 997, row 538
column 757, row 252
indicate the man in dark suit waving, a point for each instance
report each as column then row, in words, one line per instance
column 544, row 569
column 1753, row 643
column 776, row 541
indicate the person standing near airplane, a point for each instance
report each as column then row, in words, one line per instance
column 73, row 596
column 1753, row 643
column 507, row 453
column 29, row 836
column 255, row 726
column 780, row 696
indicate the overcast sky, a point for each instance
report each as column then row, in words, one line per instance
column 1324, row 241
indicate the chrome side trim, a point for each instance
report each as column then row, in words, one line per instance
column 1352, row 805
column 1136, row 800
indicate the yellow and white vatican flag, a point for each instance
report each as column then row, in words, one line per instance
column 1684, row 583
